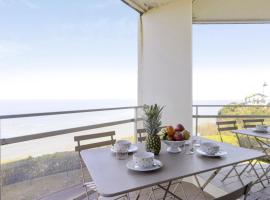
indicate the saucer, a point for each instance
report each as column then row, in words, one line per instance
column 133, row 148
column 218, row 154
column 132, row 166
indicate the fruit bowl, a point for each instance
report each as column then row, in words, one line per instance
column 175, row 138
column 174, row 146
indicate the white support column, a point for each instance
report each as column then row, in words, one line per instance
column 165, row 61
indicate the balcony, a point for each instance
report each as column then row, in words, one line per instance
column 32, row 169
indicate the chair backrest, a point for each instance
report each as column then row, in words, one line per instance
column 226, row 125
column 141, row 134
column 107, row 140
column 243, row 191
column 251, row 123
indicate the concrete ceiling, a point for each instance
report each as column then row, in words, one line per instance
column 145, row 5
column 216, row 11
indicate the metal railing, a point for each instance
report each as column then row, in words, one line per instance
column 198, row 116
column 6, row 141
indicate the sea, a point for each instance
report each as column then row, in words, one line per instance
column 24, row 126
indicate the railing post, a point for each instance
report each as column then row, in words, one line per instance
column 135, row 124
column 196, row 120
column 0, row 162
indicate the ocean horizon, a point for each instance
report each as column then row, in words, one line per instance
column 25, row 126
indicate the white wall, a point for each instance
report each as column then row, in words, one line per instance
column 165, row 61
column 241, row 11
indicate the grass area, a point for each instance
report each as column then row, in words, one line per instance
column 38, row 187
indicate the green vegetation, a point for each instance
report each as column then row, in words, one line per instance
column 210, row 131
column 31, row 168
column 244, row 111
column 39, row 187
column 231, row 139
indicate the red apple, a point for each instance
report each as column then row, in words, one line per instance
column 179, row 127
column 178, row 136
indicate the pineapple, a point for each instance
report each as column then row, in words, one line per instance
column 152, row 125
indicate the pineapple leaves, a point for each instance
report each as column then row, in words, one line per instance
column 152, row 120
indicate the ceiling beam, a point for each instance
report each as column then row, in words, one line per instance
column 135, row 6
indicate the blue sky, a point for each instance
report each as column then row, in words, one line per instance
column 230, row 61
column 66, row 49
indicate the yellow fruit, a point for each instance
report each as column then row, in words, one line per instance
column 186, row 134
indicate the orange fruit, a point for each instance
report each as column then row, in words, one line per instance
column 170, row 130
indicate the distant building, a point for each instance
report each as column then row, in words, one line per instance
column 256, row 99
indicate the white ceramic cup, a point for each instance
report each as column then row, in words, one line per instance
column 122, row 145
column 210, row 148
column 261, row 128
column 144, row 159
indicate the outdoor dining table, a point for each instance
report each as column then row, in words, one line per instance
column 262, row 138
column 113, row 178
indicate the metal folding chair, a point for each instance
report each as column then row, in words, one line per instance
column 225, row 126
column 251, row 123
column 242, row 192
column 94, row 141
column 141, row 135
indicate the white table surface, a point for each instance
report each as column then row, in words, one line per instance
column 253, row 133
column 112, row 177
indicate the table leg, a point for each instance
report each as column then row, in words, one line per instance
column 261, row 143
column 260, row 177
column 239, row 176
column 227, row 175
column 200, row 187
column 211, row 177
column 152, row 193
column 245, row 168
column 235, row 166
column 168, row 192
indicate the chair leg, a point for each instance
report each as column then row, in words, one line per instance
column 86, row 193
column 221, row 139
